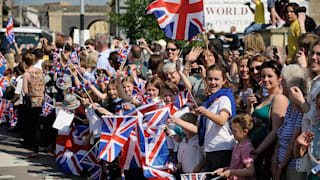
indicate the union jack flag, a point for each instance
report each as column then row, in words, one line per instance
column 193, row 176
column 123, row 55
column 183, row 98
column 92, row 164
column 4, row 83
column 69, row 151
column 154, row 152
column 9, row 31
column 2, row 59
column 114, row 134
column 4, row 110
column 73, row 57
column 48, row 99
column 179, row 19
column 130, row 155
column 13, row 119
column 139, row 86
column 46, row 109
column 195, row 38
column 145, row 99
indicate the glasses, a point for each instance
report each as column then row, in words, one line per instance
column 315, row 53
column 171, row 49
column 255, row 68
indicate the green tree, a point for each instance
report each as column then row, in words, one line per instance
column 136, row 23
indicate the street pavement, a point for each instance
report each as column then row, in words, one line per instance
column 15, row 165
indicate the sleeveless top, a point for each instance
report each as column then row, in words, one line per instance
column 260, row 129
column 36, row 88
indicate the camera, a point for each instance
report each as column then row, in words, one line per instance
column 195, row 70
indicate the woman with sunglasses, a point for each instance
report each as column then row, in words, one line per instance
column 268, row 117
column 255, row 75
column 172, row 52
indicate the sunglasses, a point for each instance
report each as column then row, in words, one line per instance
column 171, row 49
column 258, row 68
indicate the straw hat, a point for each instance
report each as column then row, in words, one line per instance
column 71, row 102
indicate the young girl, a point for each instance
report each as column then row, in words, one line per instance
column 241, row 166
column 214, row 131
column 110, row 100
column 153, row 87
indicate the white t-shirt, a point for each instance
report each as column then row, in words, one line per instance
column 190, row 154
column 218, row 137
column 18, row 89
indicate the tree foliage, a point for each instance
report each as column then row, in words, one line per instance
column 136, row 23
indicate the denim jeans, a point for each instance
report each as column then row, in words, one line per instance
column 254, row 27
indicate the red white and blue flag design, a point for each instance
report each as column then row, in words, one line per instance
column 193, row 176
column 179, row 19
column 152, row 161
column 48, row 99
column 73, row 57
column 13, row 119
column 4, row 83
column 114, row 134
column 183, row 98
column 46, row 109
column 2, row 59
column 9, row 31
column 71, row 147
column 123, row 55
column 195, row 38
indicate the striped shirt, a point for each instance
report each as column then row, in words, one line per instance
column 285, row 133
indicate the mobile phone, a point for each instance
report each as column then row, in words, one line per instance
column 250, row 91
column 275, row 51
column 195, row 70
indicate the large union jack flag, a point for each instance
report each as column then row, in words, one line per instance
column 9, row 31
column 114, row 134
column 179, row 19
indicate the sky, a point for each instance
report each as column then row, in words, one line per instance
column 72, row 2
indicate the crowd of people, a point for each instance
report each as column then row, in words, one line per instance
column 255, row 114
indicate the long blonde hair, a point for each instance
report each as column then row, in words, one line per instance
column 254, row 40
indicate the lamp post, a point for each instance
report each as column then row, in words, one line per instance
column 81, row 23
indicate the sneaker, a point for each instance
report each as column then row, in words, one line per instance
column 281, row 24
column 271, row 27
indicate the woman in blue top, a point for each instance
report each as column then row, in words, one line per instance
column 283, row 162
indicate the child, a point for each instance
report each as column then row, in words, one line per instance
column 190, row 154
column 241, row 166
column 309, row 140
column 214, row 130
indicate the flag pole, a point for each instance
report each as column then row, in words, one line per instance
column 89, row 151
